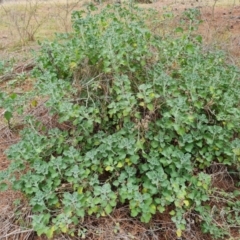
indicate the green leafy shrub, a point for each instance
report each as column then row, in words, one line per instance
column 146, row 116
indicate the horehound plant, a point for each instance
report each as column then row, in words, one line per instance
column 147, row 116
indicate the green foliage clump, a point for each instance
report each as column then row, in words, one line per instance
column 146, row 116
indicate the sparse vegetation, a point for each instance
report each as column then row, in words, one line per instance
column 23, row 20
column 141, row 118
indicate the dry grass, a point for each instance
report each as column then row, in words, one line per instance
column 33, row 20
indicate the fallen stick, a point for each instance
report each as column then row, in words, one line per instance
column 17, row 70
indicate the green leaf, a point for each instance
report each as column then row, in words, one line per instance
column 107, row 70
column 97, row 200
column 146, row 217
column 189, row 147
column 134, row 159
column 154, row 144
column 161, row 209
column 186, row 202
column 80, row 190
column 3, row 187
column 120, row 165
column 109, row 168
column 94, row 209
column 140, row 95
column 49, row 233
column 180, row 130
column 64, row 228
column 199, row 184
column 190, row 48
column 108, row 209
column 8, row 115
column 199, row 38
column 80, row 213
column 179, row 30
column 172, row 213
column 134, row 212
column 152, row 209
column 150, row 107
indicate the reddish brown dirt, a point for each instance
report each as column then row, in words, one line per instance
column 220, row 27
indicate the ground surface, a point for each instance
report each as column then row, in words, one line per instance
column 221, row 28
